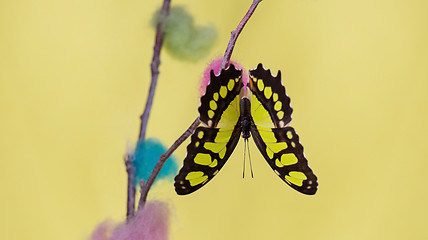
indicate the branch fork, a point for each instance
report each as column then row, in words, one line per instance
column 145, row 187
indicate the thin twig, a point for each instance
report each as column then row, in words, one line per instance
column 130, row 169
column 191, row 129
column 154, row 68
column 162, row 160
column 234, row 34
column 130, row 210
column 142, row 182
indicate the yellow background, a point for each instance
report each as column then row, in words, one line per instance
column 74, row 77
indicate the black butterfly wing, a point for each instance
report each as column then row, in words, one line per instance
column 284, row 153
column 271, row 94
column 211, row 145
column 278, row 144
column 220, row 92
column 207, row 153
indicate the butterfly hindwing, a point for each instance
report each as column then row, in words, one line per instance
column 278, row 144
column 207, row 153
column 284, row 153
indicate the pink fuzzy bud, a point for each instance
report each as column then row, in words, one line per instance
column 215, row 66
column 149, row 223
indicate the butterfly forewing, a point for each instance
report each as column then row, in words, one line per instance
column 278, row 144
column 220, row 92
column 271, row 94
column 211, row 146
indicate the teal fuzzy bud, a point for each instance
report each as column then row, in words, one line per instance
column 145, row 157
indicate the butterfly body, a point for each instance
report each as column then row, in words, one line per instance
column 228, row 111
column 245, row 118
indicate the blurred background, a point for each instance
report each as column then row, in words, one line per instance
column 74, row 78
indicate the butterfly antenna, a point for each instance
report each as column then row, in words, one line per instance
column 249, row 158
column 245, row 148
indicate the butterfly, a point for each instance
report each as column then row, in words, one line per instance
column 229, row 110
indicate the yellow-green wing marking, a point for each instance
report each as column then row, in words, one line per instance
column 284, row 153
column 278, row 144
column 271, row 94
column 211, row 146
column 220, row 92
column 207, row 153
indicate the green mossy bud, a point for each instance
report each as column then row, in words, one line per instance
column 184, row 40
